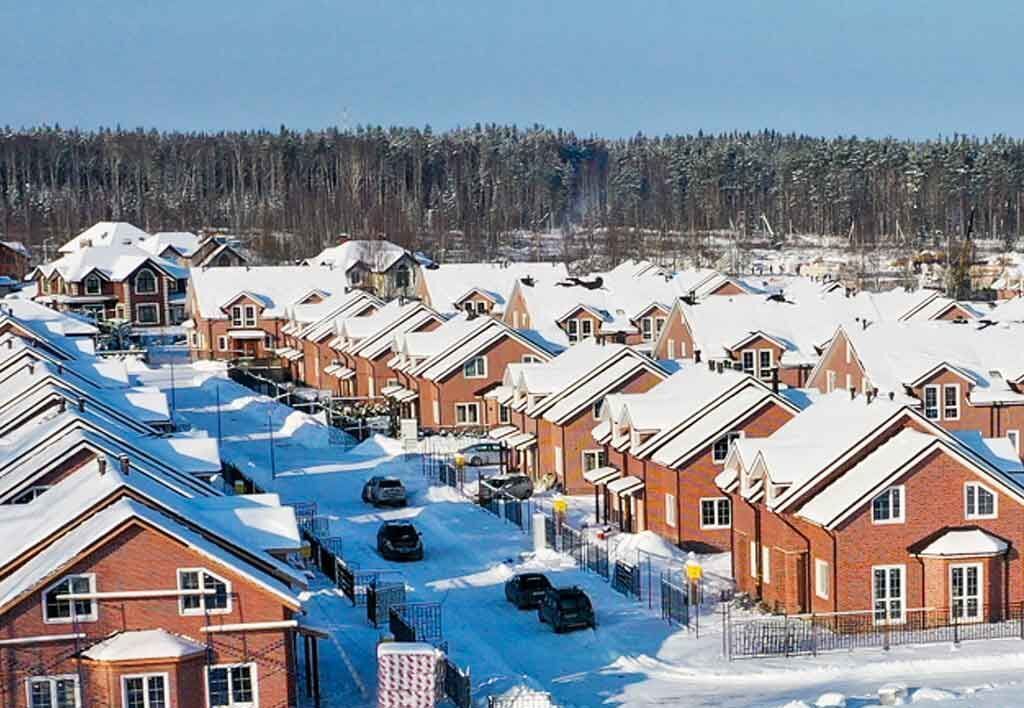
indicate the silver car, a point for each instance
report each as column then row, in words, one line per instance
column 505, row 486
column 481, row 454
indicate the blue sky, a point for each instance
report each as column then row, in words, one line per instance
column 906, row 68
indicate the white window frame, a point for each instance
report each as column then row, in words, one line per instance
column 92, row 279
column 253, row 679
column 717, row 502
column 222, row 343
column 236, row 315
column 902, row 598
column 202, row 610
column 937, row 390
column 1014, row 437
column 586, row 327
column 659, row 326
column 52, row 681
column 765, row 372
column 822, row 578
column 249, row 316
column 572, row 330
column 752, row 367
column 734, row 435
column 465, row 407
column 988, row 490
column 597, row 453
column 472, row 369
column 145, row 687
column 671, row 510
column 900, row 518
column 31, row 494
column 531, row 359
column 670, row 352
column 156, row 283
column 73, row 617
column 145, row 305
column 647, row 328
column 766, row 564
column 504, row 414
column 945, row 409
column 980, row 596
column 830, row 381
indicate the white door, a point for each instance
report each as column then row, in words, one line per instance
column 889, row 592
column 965, row 601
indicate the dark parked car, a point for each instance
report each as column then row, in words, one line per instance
column 526, row 590
column 502, row 486
column 399, row 540
column 566, row 608
column 381, row 491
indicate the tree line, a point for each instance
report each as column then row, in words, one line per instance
column 294, row 192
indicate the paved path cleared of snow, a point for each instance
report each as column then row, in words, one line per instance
column 633, row 658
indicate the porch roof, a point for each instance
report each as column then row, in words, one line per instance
column 502, row 432
column 601, row 475
column 246, row 333
column 143, row 645
column 965, row 543
column 521, row 441
column 626, row 485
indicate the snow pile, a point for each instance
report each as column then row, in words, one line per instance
column 210, row 365
column 302, row 428
column 932, row 694
column 377, row 446
column 831, row 700
column 525, row 696
column 628, row 545
column 796, row 704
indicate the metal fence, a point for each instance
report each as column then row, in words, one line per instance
column 675, row 602
column 458, row 685
column 380, row 598
column 626, row 580
column 417, row 622
column 796, row 635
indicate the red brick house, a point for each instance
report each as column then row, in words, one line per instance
column 365, row 346
column 122, row 283
column 664, row 448
column 966, row 376
column 865, row 506
column 14, row 260
column 442, row 375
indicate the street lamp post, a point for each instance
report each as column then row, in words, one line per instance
column 270, row 429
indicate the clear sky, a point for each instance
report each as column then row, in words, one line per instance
column 907, row 68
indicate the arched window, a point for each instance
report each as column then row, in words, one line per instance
column 145, row 282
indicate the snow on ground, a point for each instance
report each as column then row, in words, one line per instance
column 633, row 658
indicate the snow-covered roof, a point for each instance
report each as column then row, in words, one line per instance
column 16, row 246
column 378, row 256
column 318, row 320
column 449, row 283
column 111, row 262
column 141, row 645
column 276, row 287
column 105, row 233
column 184, row 242
column 965, row 543
column 615, row 369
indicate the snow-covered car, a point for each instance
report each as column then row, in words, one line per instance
column 566, row 608
column 399, row 540
column 504, row 486
column 526, row 590
column 480, row 454
column 384, row 491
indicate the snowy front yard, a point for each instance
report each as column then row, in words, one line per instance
column 633, row 658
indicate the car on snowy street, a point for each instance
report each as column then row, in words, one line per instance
column 526, row 590
column 566, row 608
column 384, row 491
column 399, row 540
column 480, row 454
column 504, row 486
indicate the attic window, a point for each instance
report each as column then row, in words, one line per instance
column 402, row 278
column 720, row 450
column 92, row 285
column 145, row 282
column 212, row 593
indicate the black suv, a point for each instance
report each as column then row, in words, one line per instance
column 566, row 608
column 526, row 590
column 399, row 540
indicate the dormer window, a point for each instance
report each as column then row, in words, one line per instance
column 402, row 278
column 720, row 450
column 250, row 316
column 92, row 285
column 236, row 316
column 942, row 402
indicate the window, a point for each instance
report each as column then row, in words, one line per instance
column 30, row 494
column 504, row 414
column 475, row 368
column 822, row 578
column 671, row 518
column 467, row 413
column 92, row 285
column 573, row 330
column 888, row 593
column 531, row 359
column 250, row 316
column 173, row 286
column 659, row 324
column 670, row 349
column 481, row 307
column 720, row 450
column 236, row 316
column 764, row 364
column 888, row 507
column 177, row 314
column 232, row 686
column 402, row 277
column 766, row 564
column 715, row 513
column 592, row 459
column 146, row 314
column 965, row 600
column 753, row 559
column 931, row 402
column 1014, row 437
column 145, row 691
column 200, row 579
column 63, row 611
column 586, row 328
column 830, row 381
column 268, row 342
column 748, row 362
column 647, row 328
column 979, row 502
column 53, row 692
column 222, row 343
column 951, row 401
column 145, row 282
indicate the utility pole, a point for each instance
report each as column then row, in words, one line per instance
column 270, row 429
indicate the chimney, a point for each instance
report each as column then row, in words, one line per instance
column 720, row 367
column 711, row 366
column 126, row 468
column 696, row 356
column 892, row 395
column 31, row 368
column 869, row 395
column 775, row 379
column 10, row 343
column 81, row 405
column 62, row 405
column 101, row 462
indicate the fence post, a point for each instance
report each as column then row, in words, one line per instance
column 885, row 636
column 956, row 628
column 785, row 632
column 814, row 636
column 725, row 628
